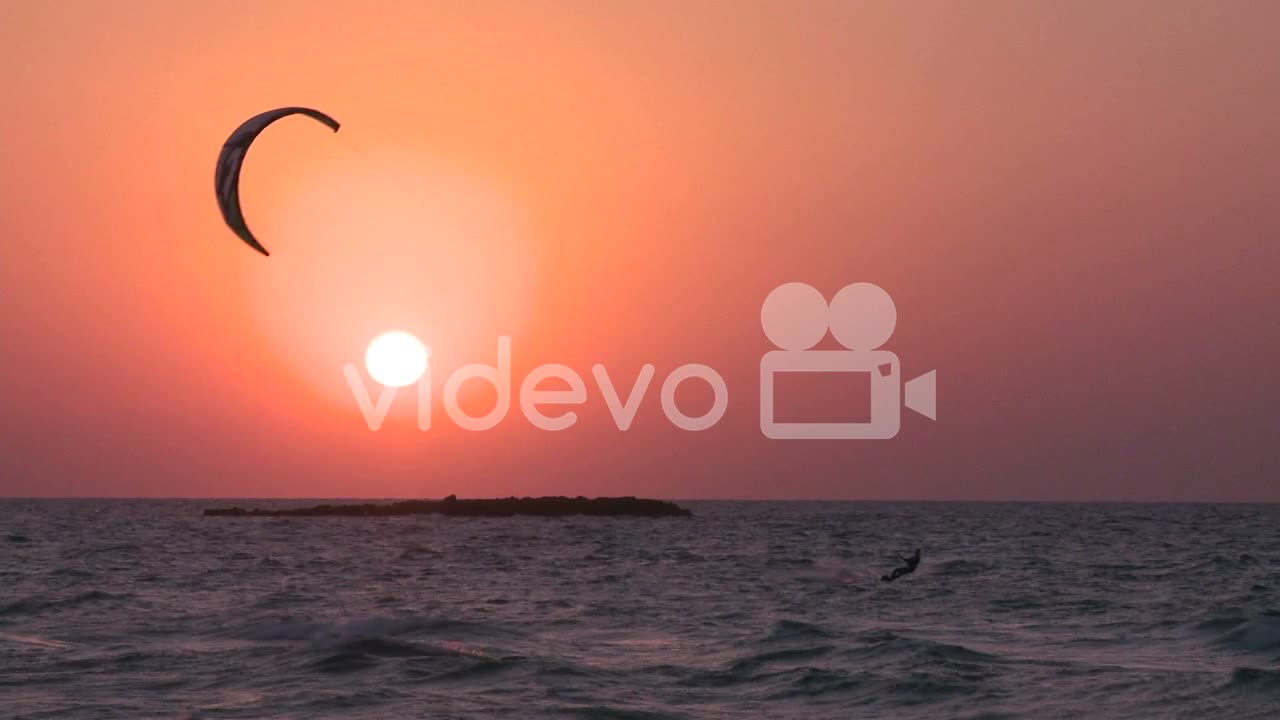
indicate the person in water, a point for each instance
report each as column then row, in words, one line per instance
column 911, row 564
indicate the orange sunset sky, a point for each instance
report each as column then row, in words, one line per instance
column 1075, row 207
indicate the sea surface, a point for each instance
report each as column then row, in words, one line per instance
column 145, row 609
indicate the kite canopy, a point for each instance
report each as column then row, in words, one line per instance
column 227, row 179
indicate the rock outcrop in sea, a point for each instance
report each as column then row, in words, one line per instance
column 552, row 506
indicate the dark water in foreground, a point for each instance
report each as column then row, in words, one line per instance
column 133, row 609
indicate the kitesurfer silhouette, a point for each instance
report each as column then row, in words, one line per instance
column 911, row 564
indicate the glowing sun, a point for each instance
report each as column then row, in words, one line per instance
column 396, row 358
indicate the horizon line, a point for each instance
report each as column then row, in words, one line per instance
column 1045, row 501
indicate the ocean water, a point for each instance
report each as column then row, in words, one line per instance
column 140, row 609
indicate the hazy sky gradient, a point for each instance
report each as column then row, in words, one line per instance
column 1075, row 206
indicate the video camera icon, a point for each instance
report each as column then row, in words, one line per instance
column 861, row 317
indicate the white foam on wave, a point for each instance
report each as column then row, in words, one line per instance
column 35, row 641
column 331, row 635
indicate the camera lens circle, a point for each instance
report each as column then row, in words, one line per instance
column 862, row 316
column 794, row 316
